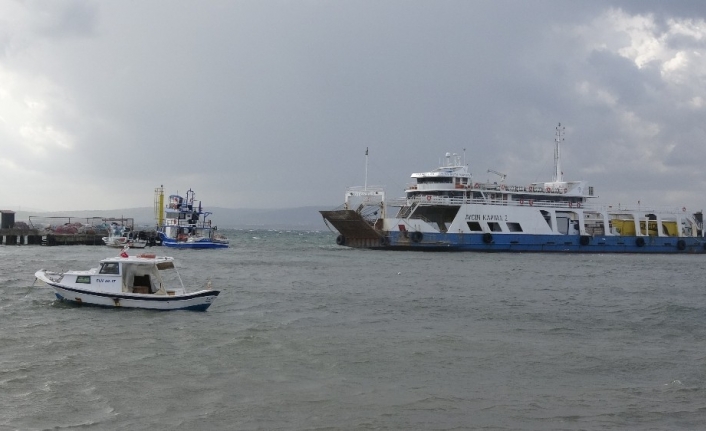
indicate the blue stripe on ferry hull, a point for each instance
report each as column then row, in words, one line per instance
column 547, row 243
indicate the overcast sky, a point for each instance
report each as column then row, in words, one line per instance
column 271, row 104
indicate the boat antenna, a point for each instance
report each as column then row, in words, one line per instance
column 558, row 139
column 366, row 168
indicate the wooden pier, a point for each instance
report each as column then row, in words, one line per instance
column 62, row 230
column 34, row 237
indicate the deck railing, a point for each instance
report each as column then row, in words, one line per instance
column 589, row 207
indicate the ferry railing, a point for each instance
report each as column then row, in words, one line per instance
column 638, row 209
column 564, row 204
column 360, row 196
column 488, row 187
column 366, row 191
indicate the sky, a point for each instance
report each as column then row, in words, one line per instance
column 272, row 103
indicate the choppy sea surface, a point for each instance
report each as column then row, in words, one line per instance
column 307, row 335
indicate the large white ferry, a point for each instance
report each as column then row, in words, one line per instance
column 446, row 209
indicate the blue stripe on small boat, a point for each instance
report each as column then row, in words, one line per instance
column 151, row 298
column 198, row 307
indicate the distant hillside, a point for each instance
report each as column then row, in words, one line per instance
column 302, row 218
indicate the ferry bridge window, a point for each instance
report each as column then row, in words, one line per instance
column 434, row 180
column 109, row 268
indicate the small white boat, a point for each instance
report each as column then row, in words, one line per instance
column 122, row 236
column 123, row 241
column 141, row 281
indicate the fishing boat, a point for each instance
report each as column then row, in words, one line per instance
column 183, row 223
column 446, row 209
column 122, row 236
column 141, row 281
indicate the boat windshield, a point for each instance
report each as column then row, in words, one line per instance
column 165, row 265
column 109, row 268
column 169, row 276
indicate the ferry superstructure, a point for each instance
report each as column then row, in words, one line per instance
column 445, row 209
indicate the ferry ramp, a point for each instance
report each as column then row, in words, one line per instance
column 355, row 230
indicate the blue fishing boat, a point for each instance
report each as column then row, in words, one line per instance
column 183, row 223
column 446, row 209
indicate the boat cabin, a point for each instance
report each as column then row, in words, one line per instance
column 142, row 274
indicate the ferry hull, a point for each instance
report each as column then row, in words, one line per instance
column 355, row 232
column 533, row 243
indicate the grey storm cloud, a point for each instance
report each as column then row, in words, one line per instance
column 271, row 104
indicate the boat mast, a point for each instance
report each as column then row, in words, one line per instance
column 558, row 139
column 159, row 205
column 366, row 168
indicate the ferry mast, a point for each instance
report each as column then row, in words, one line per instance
column 558, row 139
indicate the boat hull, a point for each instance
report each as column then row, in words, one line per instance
column 196, row 301
column 193, row 245
column 131, row 244
column 530, row 243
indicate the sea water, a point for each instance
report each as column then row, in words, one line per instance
column 309, row 335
